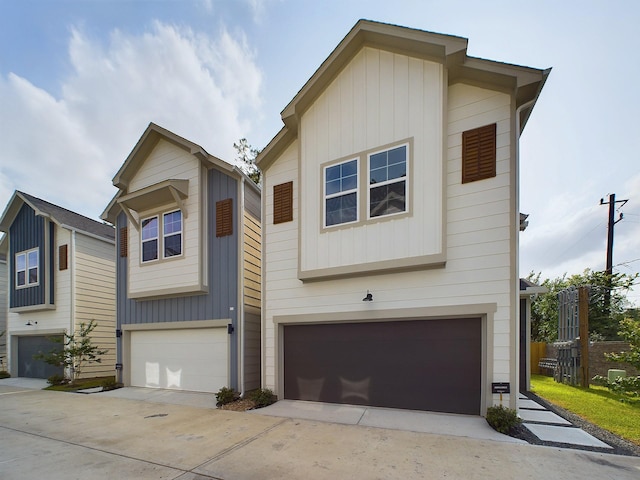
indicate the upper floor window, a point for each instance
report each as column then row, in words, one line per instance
column 388, row 182
column 171, row 237
column 341, row 193
column 149, row 239
column 28, row 268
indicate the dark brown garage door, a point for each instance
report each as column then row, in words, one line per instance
column 432, row 365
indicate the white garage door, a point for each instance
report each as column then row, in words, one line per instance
column 189, row 359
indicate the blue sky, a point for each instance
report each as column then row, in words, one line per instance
column 81, row 80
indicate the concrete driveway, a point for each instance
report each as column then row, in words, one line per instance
column 57, row 435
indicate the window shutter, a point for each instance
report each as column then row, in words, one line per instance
column 479, row 153
column 283, row 202
column 224, row 218
column 63, row 263
column 124, row 242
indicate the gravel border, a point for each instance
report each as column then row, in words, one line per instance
column 620, row 445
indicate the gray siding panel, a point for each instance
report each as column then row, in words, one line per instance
column 252, row 202
column 252, row 355
column 27, row 232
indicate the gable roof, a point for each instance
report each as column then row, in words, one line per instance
column 145, row 145
column 524, row 83
column 59, row 215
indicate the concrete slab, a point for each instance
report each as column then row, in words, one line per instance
column 543, row 416
column 171, row 397
column 571, row 435
column 23, row 382
column 437, row 423
column 529, row 404
column 322, row 412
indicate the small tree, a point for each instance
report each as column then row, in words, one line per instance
column 77, row 351
column 247, row 155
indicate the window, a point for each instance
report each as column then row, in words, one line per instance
column 388, row 182
column 171, row 236
column 479, row 153
column 341, row 193
column 150, row 239
column 172, row 239
column 27, row 268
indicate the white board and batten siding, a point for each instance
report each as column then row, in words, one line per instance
column 352, row 116
column 96, row 299
column 475, row 220
column 184, row 273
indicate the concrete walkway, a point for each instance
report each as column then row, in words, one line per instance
column 550, row 427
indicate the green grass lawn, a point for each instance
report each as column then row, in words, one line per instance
column 595, row 404
column 80, row 384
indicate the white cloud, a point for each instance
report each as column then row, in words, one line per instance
column 66, row 149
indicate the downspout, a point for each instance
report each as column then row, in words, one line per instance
column 241, row 283
column 515, row 336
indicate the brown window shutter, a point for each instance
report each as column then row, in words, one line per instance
column 224, row 218
column 124, row 242
column 63, row 263
column 479, row 153
column 283, row 202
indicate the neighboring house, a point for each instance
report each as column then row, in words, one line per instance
column 61, row 273
column 188, row 268
column 391, row 226
column 4, row 295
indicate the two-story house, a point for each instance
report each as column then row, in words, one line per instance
column 188, row 268
column 391, row 226
column 61, row 274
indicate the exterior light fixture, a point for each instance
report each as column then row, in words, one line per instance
column 368, row 298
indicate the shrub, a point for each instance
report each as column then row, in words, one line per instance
column 620, row 385
column 226, row 395
column 502, row 419
column 4, row 374
column 262, row 397
column 56, row 380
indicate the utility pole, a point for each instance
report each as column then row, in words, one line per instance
column 609, row 268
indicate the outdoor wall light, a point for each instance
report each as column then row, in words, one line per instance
column 368, row 298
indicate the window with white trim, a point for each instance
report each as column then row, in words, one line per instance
column 149, row 235
column 28, row 268
column 172, row 233
column 341, row 193
column 388, row 182
column 170, row 224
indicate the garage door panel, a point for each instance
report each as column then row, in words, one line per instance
column 426, row 365
column 187, row 359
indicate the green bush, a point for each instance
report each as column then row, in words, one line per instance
column 502, row 419
column 4, row 374
column 56, row 380
column 226, row 395
column 262, row 397
column 620, row 385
